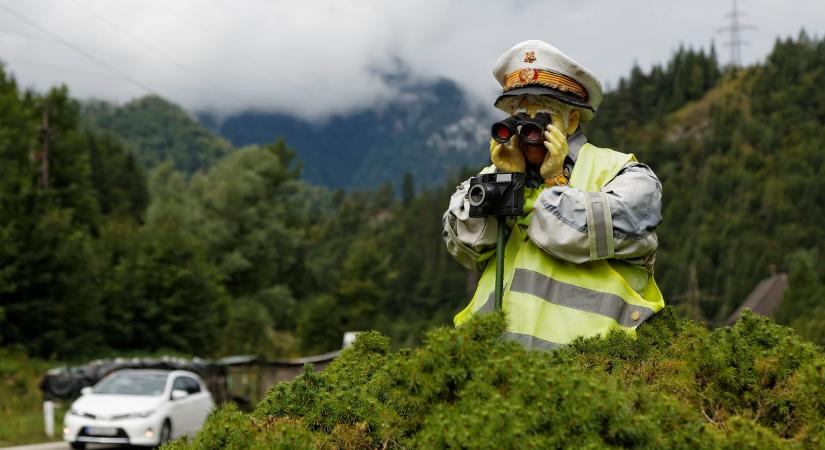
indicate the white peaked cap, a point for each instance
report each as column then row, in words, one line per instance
column 537, row 68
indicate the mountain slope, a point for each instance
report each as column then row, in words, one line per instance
column 157, row 130
column 430, row 131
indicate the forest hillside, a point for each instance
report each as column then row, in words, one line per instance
column 133, row 244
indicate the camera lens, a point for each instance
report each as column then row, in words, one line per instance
column 476, row 194
column 483, row 193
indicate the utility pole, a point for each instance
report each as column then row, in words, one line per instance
column 735, row 30
column 44, row 153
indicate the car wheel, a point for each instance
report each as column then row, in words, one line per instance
column 165, row 433
column 78, row 445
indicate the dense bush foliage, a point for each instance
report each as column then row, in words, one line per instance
column 676, row 385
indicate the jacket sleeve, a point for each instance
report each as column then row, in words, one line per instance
column 618, row 222
column 470, row 240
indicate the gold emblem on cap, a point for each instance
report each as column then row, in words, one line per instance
column 541, row 77
column 527, row 75
column 529, row 57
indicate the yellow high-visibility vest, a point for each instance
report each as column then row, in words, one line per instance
column 548, row 301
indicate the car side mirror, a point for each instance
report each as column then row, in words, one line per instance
column 178, row 394
column 86, row 391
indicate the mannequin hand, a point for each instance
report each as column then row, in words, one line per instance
column 507, row 157
column 556, row 143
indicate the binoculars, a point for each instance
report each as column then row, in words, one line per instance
column 529, row 129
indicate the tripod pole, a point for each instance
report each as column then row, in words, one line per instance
column 500, row 244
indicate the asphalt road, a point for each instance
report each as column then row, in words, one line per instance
column 46, row 446
column 58, row 446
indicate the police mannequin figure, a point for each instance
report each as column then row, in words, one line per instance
column 579, row 261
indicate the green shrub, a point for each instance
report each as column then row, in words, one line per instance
column 21, row 402
column 230, row 429
column 676, row 384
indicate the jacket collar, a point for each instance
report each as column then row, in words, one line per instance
column 574, row 144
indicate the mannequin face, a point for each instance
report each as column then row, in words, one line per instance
column 534, row 154
column 564, row 118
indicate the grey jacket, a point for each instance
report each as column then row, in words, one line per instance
column 560, row 222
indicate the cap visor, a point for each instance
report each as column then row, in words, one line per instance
column 546, row 92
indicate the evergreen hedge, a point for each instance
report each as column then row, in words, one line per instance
column 677, row 384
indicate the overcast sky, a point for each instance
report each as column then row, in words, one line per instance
column 320, row 57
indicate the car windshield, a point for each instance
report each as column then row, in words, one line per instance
column 133, row 383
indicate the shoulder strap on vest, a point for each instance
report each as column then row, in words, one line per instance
column 596, row 166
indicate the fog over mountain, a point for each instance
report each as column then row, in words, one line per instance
column 314, row 60
column 431, row 130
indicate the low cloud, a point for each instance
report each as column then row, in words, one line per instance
column 315, row 59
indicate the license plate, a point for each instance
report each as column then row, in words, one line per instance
column 101, row 431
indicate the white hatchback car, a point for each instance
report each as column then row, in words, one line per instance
column 138, row 407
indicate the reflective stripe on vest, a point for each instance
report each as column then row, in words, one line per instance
column 531, row 341
column 600, row 234
column 550, row 302
column 571, row 296
column 559, row 293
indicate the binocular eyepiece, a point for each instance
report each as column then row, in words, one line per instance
column 529, row 129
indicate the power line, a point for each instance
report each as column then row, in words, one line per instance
column 87, row 53
column 191, row 72
column 251, row 57
column 66, row 69
column 154, row 60
column 161, row 56
column 735, row 29
column 78, row 50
